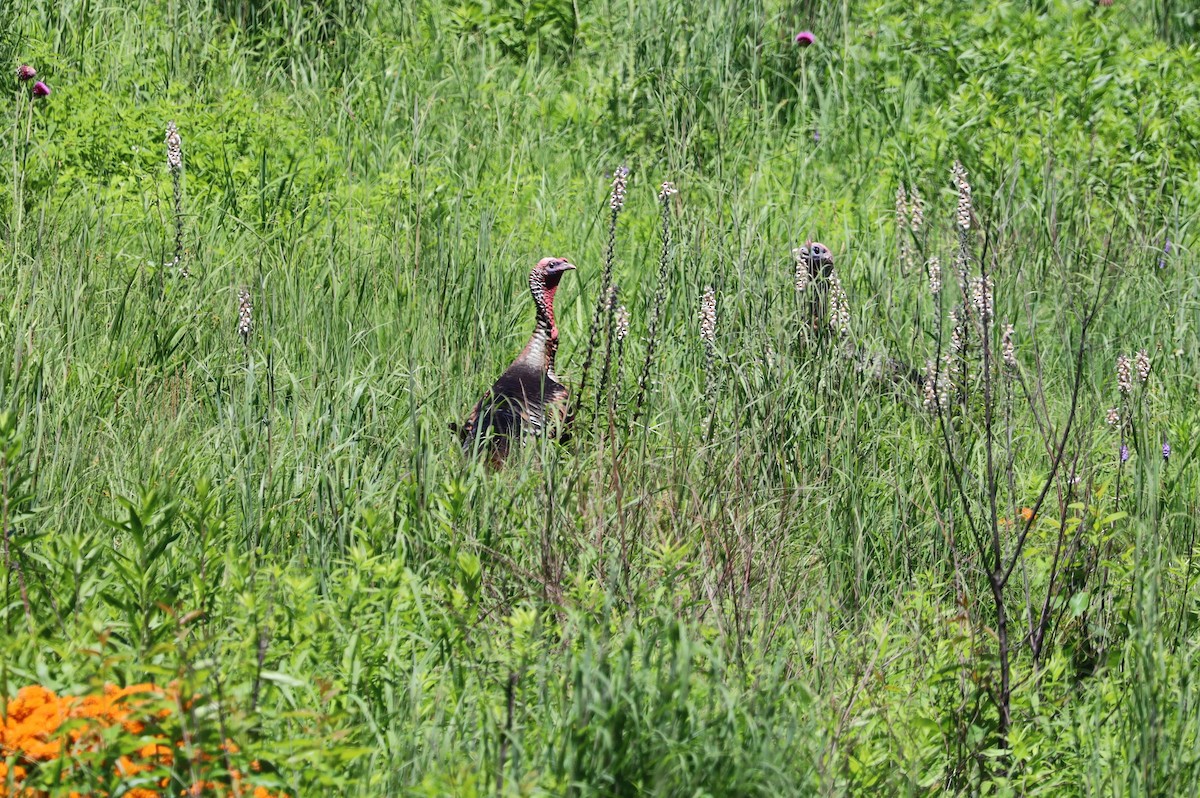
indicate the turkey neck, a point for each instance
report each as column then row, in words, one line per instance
column 543, row 344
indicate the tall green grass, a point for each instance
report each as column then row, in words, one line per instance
column 785, row 606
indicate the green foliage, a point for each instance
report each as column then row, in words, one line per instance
column 788, row 605
column 520, row 27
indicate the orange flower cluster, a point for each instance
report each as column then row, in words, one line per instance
column 1026, row 514
column 31, row 734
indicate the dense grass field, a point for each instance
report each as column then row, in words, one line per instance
column 895, row 548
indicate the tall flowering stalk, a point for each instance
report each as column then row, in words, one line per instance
column 1121, row 418
column 616, row 203
column 934, row 269
column 667, row 191
column 975, row 293
column 175, row 167
column 935, row 387
column 982, row 301
column 839, row 307
column 708, row 336
column 916, row 211
column 1008, row 349
column 910, row 219
column 916, row 221
column 610, row 316
column 621, row 332
column 962, row 225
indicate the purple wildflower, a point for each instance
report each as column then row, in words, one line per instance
column 1166, row 451
column 1124, row 452
column 26, row 72
column 41, row 89
column 1162, row 260
column 805, row 38
column 816, row 135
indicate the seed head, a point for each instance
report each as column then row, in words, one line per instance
column 916, row 210
column 929, row 388
column 174, row 148
column 1008, row 351
column 934, row 268
column 958, row 331
column 245, row 314
column 1142, row 364
column 964, row 196
column 981, row 297
column 901, row 207
column 708, row 316
column 944, row 380
column 622, row 323
column 1112, row 417
column 839, row 308
column 1124, row 374
column 803, row 275
column 25, row 73
column 620, row 179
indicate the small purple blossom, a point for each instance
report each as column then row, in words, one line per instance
column 1166, row 451
column 1162, row 260
column 40, row 89
column 1124, row 452
column 816, row 135
column 26, row 72
column 805, row 38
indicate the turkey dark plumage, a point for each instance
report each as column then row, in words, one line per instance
column 528, row 398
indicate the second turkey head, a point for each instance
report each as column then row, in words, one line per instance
column 818, row 257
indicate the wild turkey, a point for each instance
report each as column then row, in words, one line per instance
column 818, row 260
column 527, row 398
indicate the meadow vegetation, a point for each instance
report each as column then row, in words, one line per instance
column 799, row 561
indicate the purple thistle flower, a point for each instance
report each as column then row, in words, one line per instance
column 1166, row 451
column 1124, row 452
column 26, row 72
column 41, row 89
column 805, row 38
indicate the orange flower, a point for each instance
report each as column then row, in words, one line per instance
column 32, row 721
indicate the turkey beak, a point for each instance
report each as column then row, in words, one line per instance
column 566, row 266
